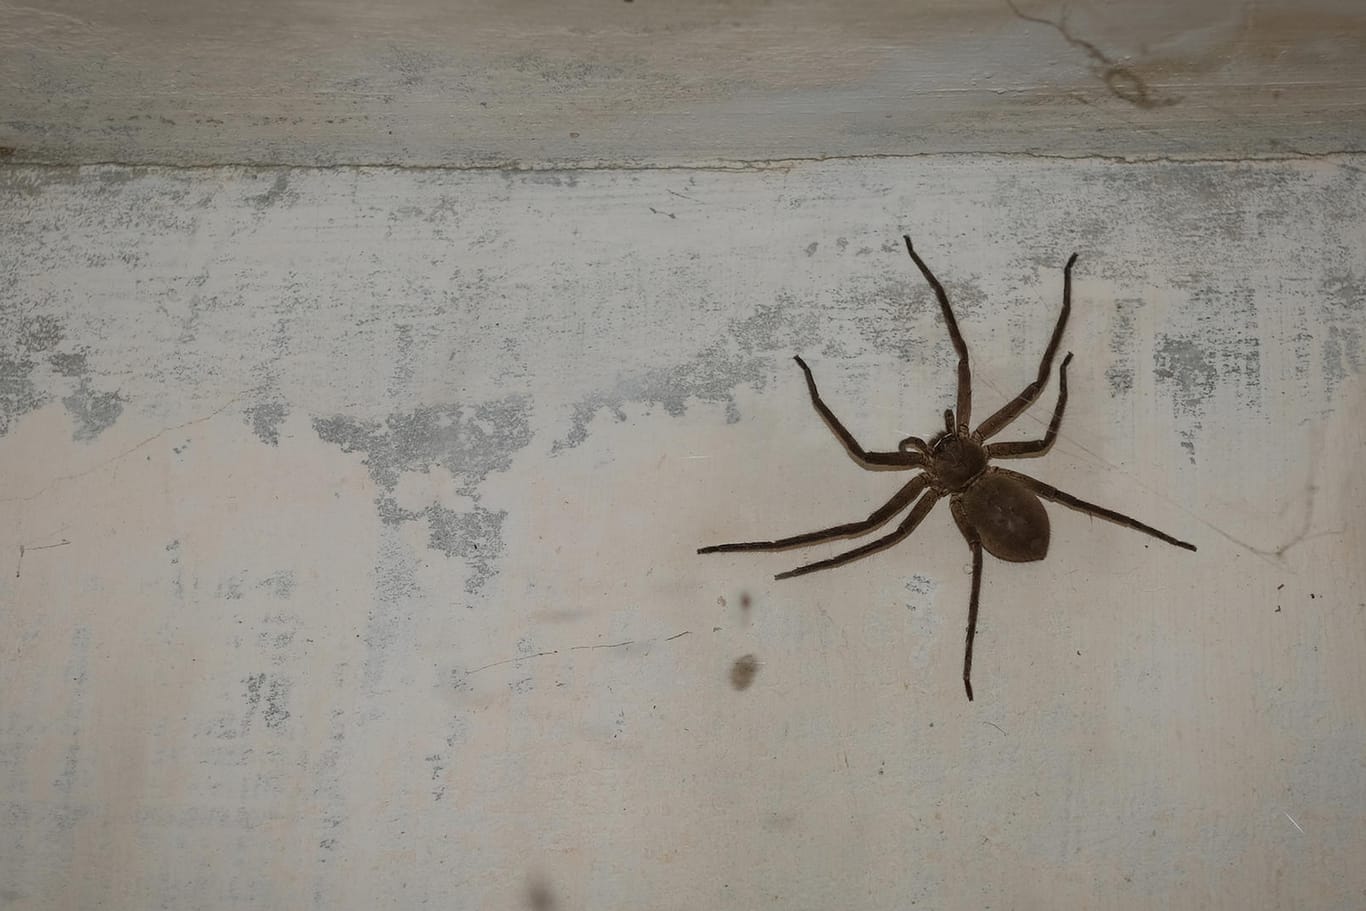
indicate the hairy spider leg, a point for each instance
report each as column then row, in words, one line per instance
column 975, row 546
column 1016, row 406
column 1016, row 449
column 877, row 519
column 964, row 371
column 1049, row 492
column 917, row 514
column 870, row 460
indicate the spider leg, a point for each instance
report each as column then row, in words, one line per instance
column 908, row 525
column 879, row 517
column 964, row 372
column 1049, row 492
column 868, row 459
column 1020, row 448
column 974, row 545
column 1016, row 406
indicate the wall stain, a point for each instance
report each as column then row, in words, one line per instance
column 743, row 672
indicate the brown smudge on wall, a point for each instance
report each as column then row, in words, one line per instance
column 743, row 671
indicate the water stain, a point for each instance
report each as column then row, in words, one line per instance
column 743, row 672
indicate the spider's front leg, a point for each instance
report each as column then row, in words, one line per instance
column 964, row 370
column 1016, row 406
column 871, row 460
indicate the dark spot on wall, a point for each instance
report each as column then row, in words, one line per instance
column 538, row 894
column 745, row 601
column 93, row 412
column 265, row 419
column 743, row 671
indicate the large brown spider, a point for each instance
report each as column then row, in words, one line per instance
column 996, row 509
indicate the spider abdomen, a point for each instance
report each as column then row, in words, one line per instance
column 1007, row 517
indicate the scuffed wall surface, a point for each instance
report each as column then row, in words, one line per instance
column 489, row 83
column 350, row 517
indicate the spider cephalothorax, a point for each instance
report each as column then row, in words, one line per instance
column 996, row 509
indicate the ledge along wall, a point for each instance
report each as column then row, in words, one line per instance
column 369, row 377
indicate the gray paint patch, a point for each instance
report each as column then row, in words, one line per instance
column 469, row 442
column 70, row 364
column 1195, row 363
column 270, row 694
column 279, row 584
column 1342, row 307
column 18, row 395
column 475, row 537
column 94, row 412
column 265, row 420
column 745, row 356
column 40, row 333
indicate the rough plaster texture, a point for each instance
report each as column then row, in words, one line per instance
column 533, row 83
column 349, row 520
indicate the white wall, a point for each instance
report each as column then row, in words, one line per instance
column 352, row 510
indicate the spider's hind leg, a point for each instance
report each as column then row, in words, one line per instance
column 1049, row 492
column 974, row 545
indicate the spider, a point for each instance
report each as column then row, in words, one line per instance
column 996, row 509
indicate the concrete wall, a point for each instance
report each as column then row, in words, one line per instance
column 350, row 512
